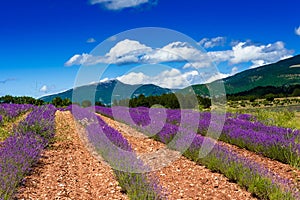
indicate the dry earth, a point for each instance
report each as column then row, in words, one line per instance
column 67, row 170
column 183, row 179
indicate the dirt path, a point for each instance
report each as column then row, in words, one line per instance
column 183, row 179
column 68, row 171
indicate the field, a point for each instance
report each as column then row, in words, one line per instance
column 141, row 153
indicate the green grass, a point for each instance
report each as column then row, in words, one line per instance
column 282, row 118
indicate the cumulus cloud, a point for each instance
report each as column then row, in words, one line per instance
column 297, row 31
column 213, row 42
column 91, row 40
column 175, row 52
column 259, row 54
column 127, row 51
column 121, row 4
column 209, row 77
column 78, row 59
column 172, row 78
column 44, row 89
column 245, row 52
column 216, row 76
column 131, row 51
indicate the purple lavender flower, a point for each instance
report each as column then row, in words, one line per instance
column 116, row 150
column 21, row 150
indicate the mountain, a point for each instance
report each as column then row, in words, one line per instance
column 283, row 73
column 106, row 92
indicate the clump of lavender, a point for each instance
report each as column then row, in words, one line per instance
column 240, row 130
column 115, row 149
column 21, row 151
column 17, row 154
column 11, row 111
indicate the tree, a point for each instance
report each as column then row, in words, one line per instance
column 57, row 102
column 270, row 97
column 7, row 99
column 66, row 102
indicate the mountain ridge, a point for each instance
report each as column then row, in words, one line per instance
column 107, row 91
column 276, row 74
column 281, row 73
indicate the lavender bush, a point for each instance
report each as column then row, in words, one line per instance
column 116, row 150
column 19, row 152
column 11, row 111
column 242, row 130
column 238, row 128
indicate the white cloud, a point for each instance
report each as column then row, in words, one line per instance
column 174, row 52
column 120, row 4
column 91, row 40
column 213, row 42
column 127, row 51
column 44, row 89
column 81, row 59
column 257, row 63
column 172, row 78
column 130, row 51
column 209, row 77
column 259, row 54
column 216, row 76
column 244, row 52
column 297, row 31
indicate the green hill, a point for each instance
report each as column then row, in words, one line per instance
column 283, row 73
column 106, row 92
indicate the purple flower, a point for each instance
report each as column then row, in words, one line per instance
column 21, row 150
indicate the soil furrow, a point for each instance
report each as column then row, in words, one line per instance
column 182, row 178
column 67, row 170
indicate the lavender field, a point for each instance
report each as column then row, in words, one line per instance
column 220, row 142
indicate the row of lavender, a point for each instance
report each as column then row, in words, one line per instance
column 243, row 130
column 20, row 151
column 9, row 112
column 117, row 152
column 176, row 128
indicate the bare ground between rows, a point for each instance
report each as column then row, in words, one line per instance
column 67, row 170
column 9, row 126
column 182, row 178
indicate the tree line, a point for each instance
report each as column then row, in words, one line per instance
column 266, row 92
column 172, row 101
column 57, row 101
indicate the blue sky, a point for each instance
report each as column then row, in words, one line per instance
column 38, row 38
